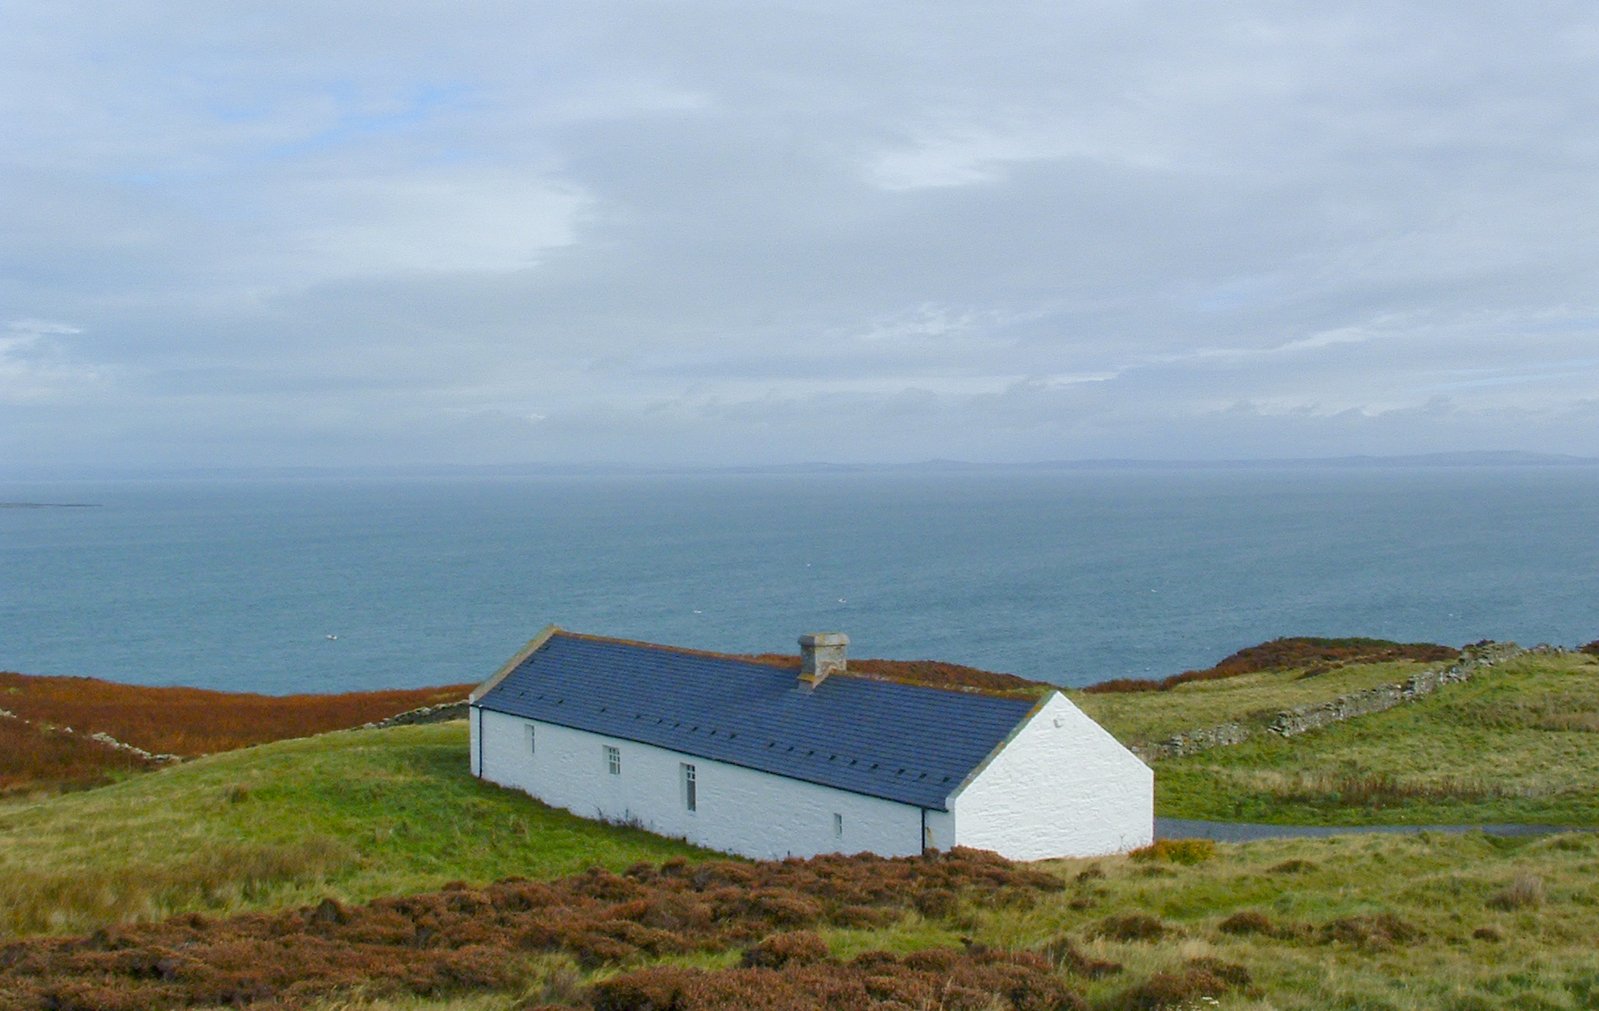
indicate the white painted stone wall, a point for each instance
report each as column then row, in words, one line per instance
column 1063, row 786
column 739, row 810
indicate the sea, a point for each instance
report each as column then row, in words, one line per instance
column 324, row 584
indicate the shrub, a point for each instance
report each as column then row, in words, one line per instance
column 1379, row 930
column 1177, row 851
column 1294, row 866
column 1248, row 921
column 1169, row 990
column 799, row 947
column 1318, row 654
column 465, row 937
column 1131, row 927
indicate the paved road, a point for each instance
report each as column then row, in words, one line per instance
column 1238, row 831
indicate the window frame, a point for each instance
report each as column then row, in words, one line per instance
column 613, row 759
column 690, row 777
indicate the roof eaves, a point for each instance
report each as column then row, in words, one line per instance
column 512, row 664
column 727, row 761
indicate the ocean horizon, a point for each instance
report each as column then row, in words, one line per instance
column 1069, row 575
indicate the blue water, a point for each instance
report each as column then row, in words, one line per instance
column 1070, row 577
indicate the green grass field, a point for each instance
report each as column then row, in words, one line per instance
column 352, row 815
column 1517, row 743
column 1247, row 698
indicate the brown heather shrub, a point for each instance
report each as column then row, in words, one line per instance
column 937, row 673
column 1592, row 648
column 794, row 947
column 1176, row 851
column 1377, row 931
column 194, row 721
column 1248, row 921
column 1130, row 927
column 1525, row 891
column 1317, row 654
column 33, row 757
column 948, row 980
column 467, row 939
column 1294, row 866
column 1491, row 934
column 1199, row 978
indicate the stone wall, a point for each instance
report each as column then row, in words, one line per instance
column 1298, row 720
column 442, row 713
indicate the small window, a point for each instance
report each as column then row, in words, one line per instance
column 613, row 760
column 691, row 788
column 532, row 740
column 838, row 826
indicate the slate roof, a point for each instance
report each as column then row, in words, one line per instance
column 908, row 743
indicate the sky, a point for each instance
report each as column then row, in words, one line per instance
column 689, row 233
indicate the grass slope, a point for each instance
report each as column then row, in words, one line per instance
column 351, row 815
column 1517, row 743
column 1252, row 698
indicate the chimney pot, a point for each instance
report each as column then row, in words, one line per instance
column 821, row 654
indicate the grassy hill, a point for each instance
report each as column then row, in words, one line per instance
column 353, row 815
column 1517, row 743
column 257, row 840
column 1352, row 922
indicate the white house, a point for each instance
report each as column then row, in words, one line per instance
column 752, row 758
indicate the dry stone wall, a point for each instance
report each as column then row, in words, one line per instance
column 1298, row 720
column 441, row 713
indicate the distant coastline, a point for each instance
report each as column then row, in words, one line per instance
column 1420, row 461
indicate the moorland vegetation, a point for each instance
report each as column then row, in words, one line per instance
column 367, row 870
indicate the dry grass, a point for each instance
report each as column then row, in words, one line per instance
column 177, row 721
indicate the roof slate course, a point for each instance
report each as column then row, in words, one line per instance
column 908, row 743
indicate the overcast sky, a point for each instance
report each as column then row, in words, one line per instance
column 331, row 234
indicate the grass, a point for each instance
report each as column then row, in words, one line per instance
column 1384, row 922
column 1250, row 699
column 1517, row 743
column 350, row 815
column 1374, row 922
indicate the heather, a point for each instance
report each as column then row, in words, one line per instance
column 195, row 721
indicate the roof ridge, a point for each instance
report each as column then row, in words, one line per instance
column 760, row 660
column 780, row 661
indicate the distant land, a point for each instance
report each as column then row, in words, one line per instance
column 1466, row 459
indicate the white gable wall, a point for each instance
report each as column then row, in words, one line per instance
column 742, row 811
column 1062, row 786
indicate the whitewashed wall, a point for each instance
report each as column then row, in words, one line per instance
column 739, row 810
column 1063, row 786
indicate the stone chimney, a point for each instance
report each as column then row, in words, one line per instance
column 821, row 654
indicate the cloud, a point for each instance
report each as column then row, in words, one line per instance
column 685, row 231
column 36, row 364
